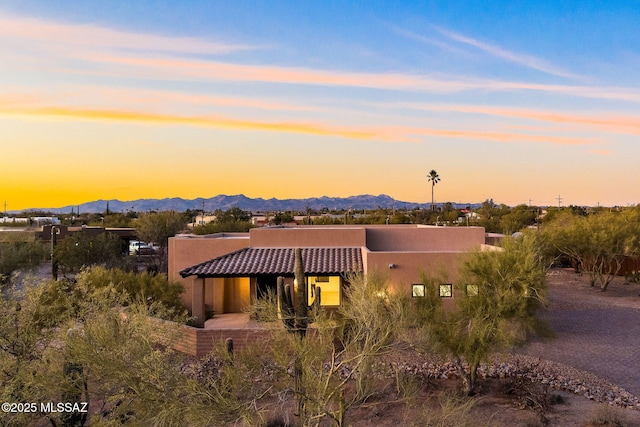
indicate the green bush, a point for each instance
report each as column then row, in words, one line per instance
column 80, row 251
column 141, row 286
column 18, row 251
column 605, row 415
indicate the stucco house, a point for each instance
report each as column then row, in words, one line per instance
column 226, row 272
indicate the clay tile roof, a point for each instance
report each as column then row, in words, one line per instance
column 256, row 261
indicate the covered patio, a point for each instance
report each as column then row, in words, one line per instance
column 233, row 321
column 228, row 284
column 237, row 326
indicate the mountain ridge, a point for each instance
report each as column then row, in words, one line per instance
column 224, row 202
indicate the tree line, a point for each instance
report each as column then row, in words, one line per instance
column 596, row 241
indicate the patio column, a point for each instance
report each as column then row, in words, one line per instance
column 197, row 302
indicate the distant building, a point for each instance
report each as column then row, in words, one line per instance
column 14, row 220
column 201, row 220
column 44, row 220
column 31, row 221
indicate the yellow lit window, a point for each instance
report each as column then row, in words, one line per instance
column 417, row 291
column 446, row 290
column 330, row 285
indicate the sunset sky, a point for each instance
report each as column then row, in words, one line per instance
column 521, row 102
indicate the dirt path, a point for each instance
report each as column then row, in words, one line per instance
column 598, row 332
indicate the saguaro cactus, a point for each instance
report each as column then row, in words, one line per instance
column 285, row 304
column 229, row 345
column 294, row 313
column 295, row 316
column 54, row 259
column 302, row 310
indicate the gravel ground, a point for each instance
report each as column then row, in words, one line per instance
column 558, row 376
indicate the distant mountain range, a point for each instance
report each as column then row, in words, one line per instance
column 243, row 202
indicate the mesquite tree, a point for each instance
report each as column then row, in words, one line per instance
column 597, row 243
column 497, row 297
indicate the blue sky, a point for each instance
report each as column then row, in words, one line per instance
column 515, row 101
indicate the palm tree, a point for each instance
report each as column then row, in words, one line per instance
column 434, row 179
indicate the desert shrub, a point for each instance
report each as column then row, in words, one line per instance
column 606, row 416
column 69, row 298
column 145, row 286
column 17, row 252
column 454, row 411
column 531, row 395
column 81, row 251
column 96, row 344
column 407, row 385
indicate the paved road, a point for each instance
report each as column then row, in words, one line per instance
column 601, row 339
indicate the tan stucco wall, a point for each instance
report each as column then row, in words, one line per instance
column 217, row 292
column 308, row 236
column 375, row 237
column 409, row 266
column 424, row 238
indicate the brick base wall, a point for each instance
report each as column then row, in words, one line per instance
column 198, row 342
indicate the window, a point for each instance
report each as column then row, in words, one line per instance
column 330, row 286
column 446, row 290
column 472, row 290
column 417, row 291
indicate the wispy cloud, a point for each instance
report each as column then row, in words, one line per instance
column 525, row 60
column 74, row 49
column 426, row 40
column 504, row 137
column 94, row 36
column 381, row 133
column 605, row 122
column 169, row 119
column 617, row 124
column 158, row 98
column 165, row 68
